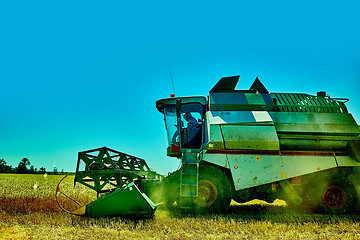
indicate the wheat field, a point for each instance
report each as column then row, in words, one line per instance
column 28, row 210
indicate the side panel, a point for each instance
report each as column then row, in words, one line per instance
column 254, row 170
column 300, row 165
column 332, row 124
column 250, row 170
column 217, row 159
column 215, row 138
column 346, row 161
column 238, row 117
column 314, row 131
column 241, row 130
column 250, row 137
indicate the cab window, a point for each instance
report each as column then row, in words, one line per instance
column 191, row 118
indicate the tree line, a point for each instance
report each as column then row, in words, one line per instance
column 24, row 166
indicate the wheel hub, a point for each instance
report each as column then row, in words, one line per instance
column 334, row 197
column 207, row 193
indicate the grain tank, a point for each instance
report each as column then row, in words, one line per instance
column 252, row 144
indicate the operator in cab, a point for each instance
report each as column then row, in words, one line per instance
column 191, row 137
column 192, row 126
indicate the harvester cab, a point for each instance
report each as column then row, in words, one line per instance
column 184, row 123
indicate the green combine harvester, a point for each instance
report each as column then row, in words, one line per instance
column 240, row 145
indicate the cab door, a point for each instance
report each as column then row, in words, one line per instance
column 191, row 125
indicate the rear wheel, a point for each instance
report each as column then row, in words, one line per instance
column 336, row 196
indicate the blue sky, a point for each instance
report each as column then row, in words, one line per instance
column 77, row 75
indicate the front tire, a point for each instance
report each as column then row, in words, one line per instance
column 214, row 190
column 171, row 189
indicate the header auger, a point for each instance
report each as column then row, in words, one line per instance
column 241, row 145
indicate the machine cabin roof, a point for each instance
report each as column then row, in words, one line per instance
column 163, row 103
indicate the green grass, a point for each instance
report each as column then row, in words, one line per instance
column 28, row 210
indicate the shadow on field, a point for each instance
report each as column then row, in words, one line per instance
column 269, row 212
column 237, row 212
column 247, row 214
column 27, row 205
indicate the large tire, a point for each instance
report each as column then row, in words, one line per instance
column 214, row 192
column 171, row 189
column 335, row 196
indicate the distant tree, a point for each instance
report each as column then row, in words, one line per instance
column 32, row 169
column 42, row 170
column 4, row 167
column 55, row 170
column 23, row 166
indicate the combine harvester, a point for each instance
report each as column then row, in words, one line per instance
column 241, row 145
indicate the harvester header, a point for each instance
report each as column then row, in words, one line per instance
column 114, row 173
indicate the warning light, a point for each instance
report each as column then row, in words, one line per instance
column 172, row 95
column 175, row 148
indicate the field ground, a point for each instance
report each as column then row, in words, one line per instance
column 28, row 210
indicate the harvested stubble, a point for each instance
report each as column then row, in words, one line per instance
column 41, row 219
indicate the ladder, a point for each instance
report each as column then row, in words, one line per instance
column 189, row 180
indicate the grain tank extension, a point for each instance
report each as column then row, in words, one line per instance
column 252, row 144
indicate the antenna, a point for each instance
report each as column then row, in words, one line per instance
column 172, row 81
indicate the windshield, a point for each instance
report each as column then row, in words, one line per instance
column 170, row 124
